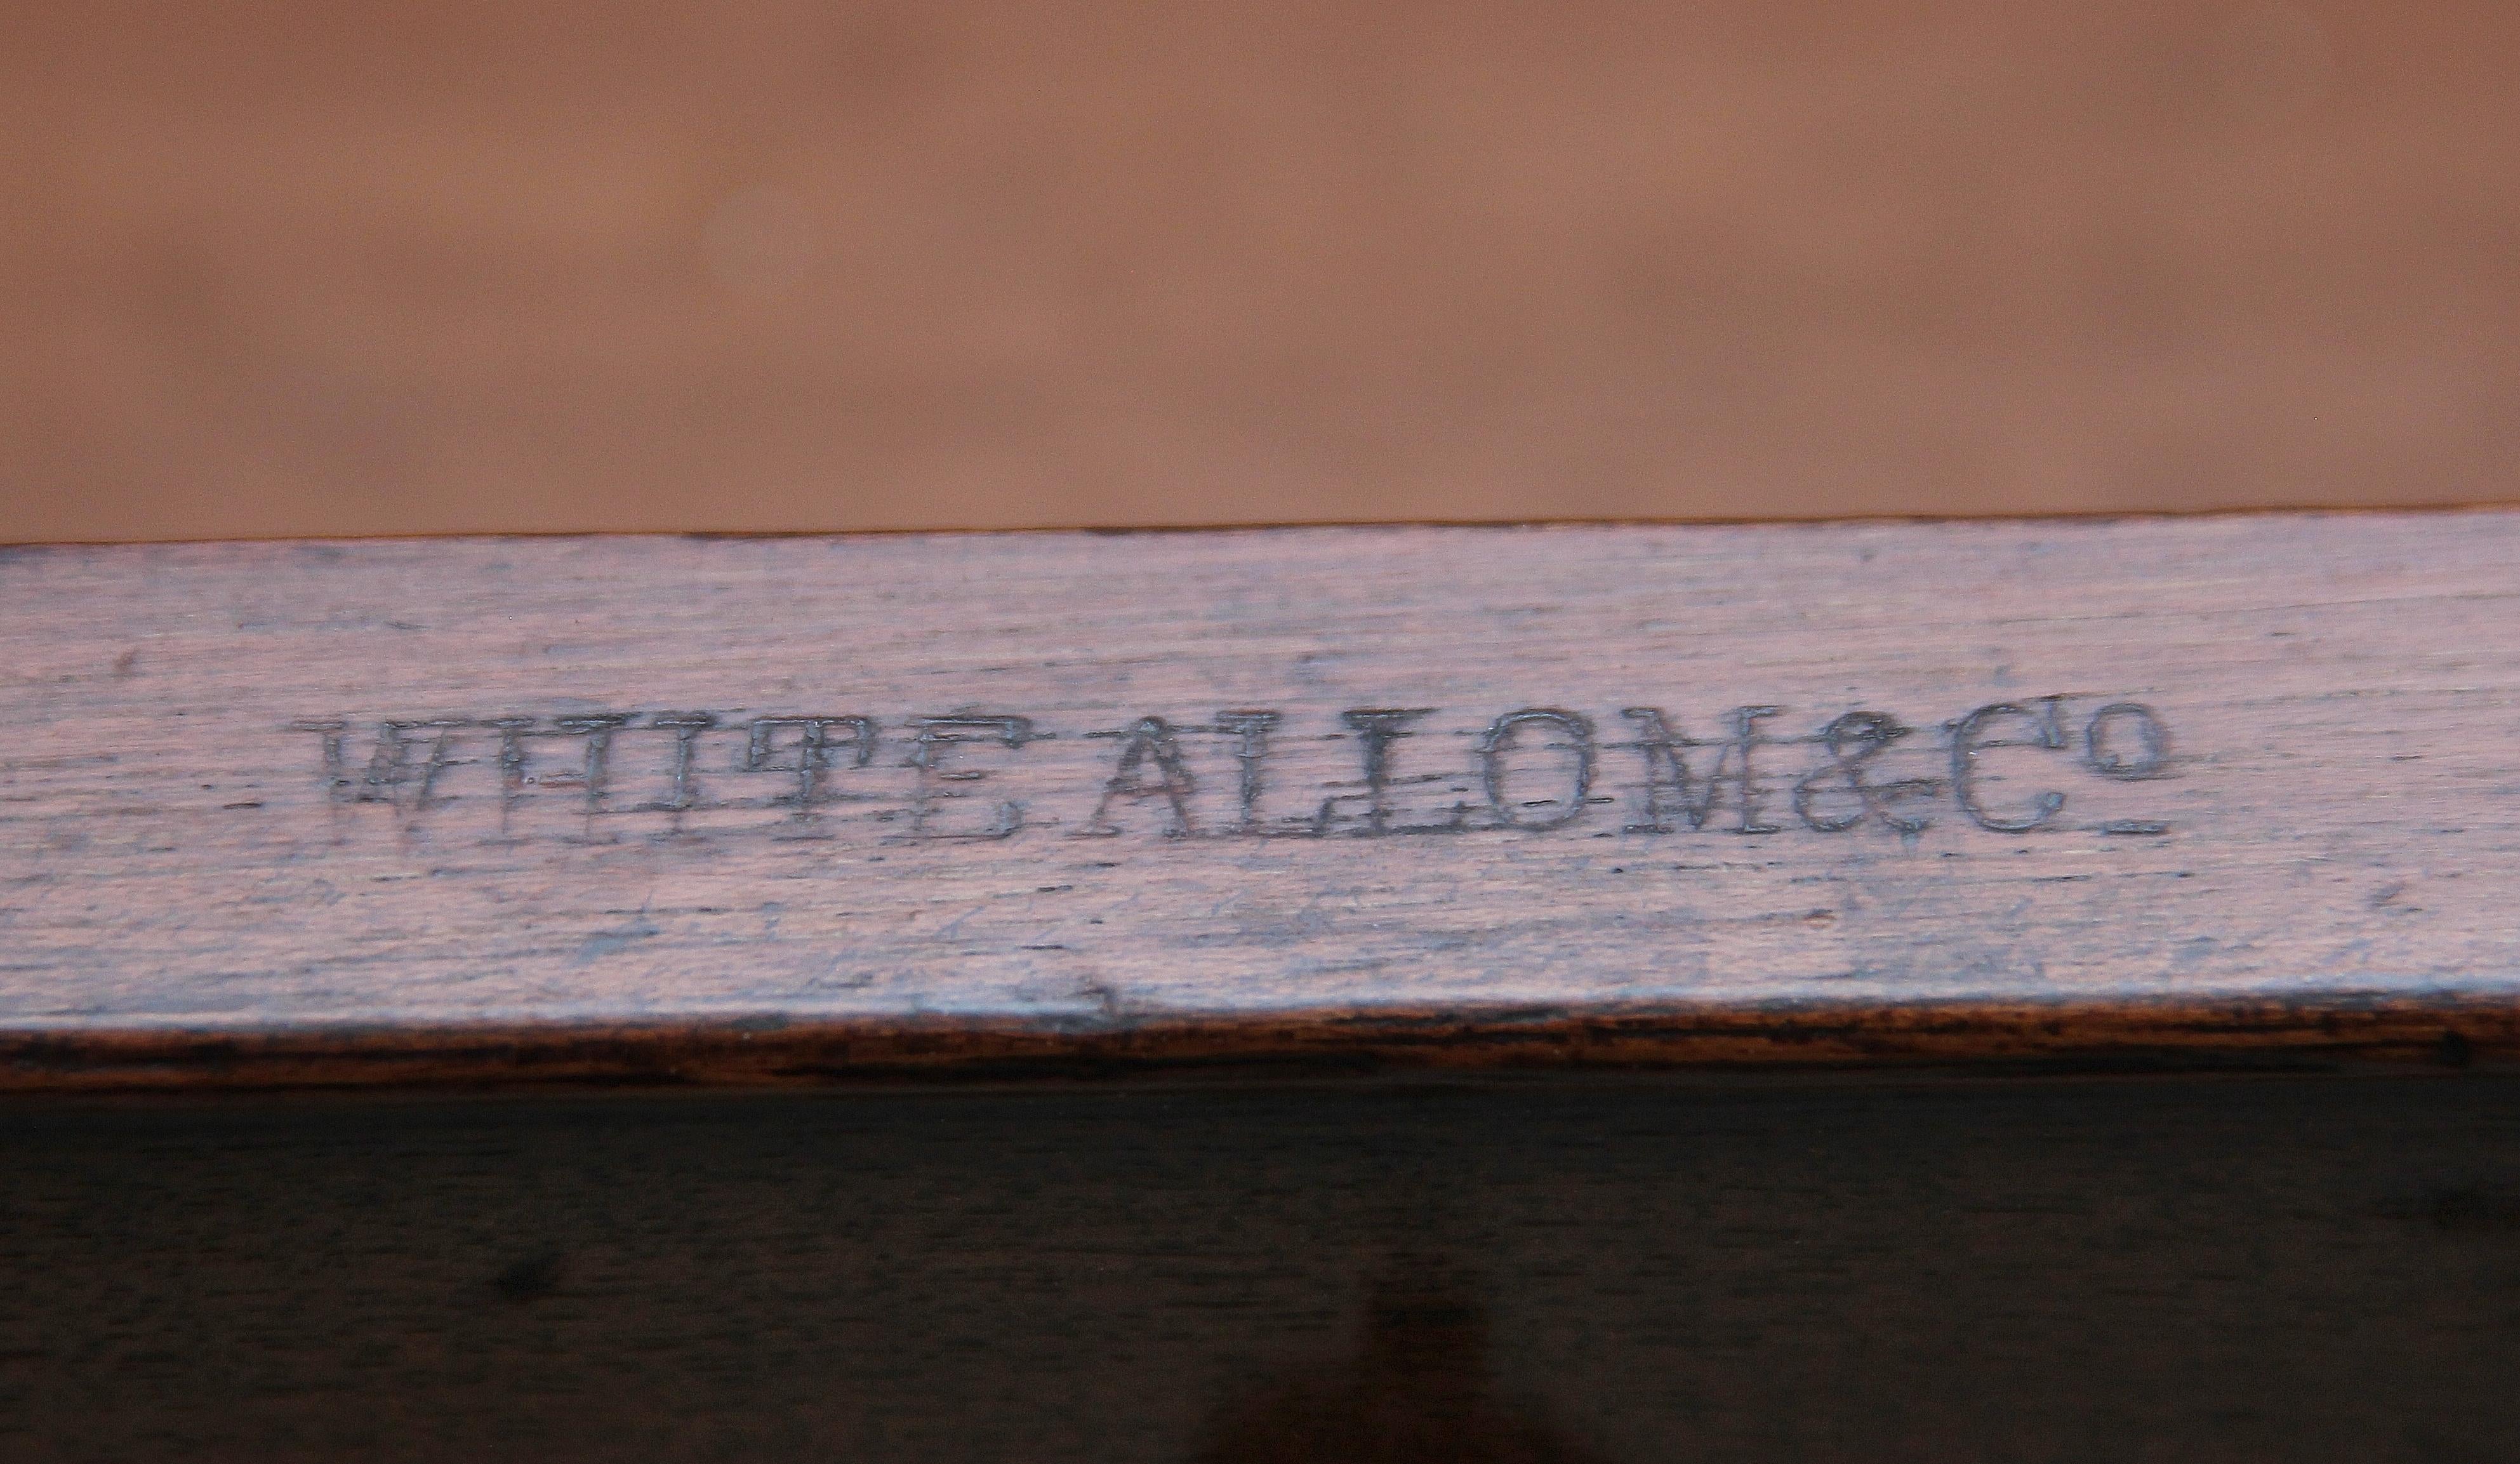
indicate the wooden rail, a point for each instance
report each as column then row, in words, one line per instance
column 758, row 809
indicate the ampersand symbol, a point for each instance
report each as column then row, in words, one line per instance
column 1853, row 740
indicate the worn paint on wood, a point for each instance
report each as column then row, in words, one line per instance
column 758, row 806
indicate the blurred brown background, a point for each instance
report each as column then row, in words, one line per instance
column 275, row 267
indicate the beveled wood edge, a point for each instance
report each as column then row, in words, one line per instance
column 768, row 1051
column 2288, row 509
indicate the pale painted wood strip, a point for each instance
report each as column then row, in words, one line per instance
column 1074, row 783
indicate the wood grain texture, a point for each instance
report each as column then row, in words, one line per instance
column 774, row 807
column 1738, row 1270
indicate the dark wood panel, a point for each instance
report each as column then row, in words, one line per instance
column 2233, row 1268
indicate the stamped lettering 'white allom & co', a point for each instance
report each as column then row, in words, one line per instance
column 798, row 806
